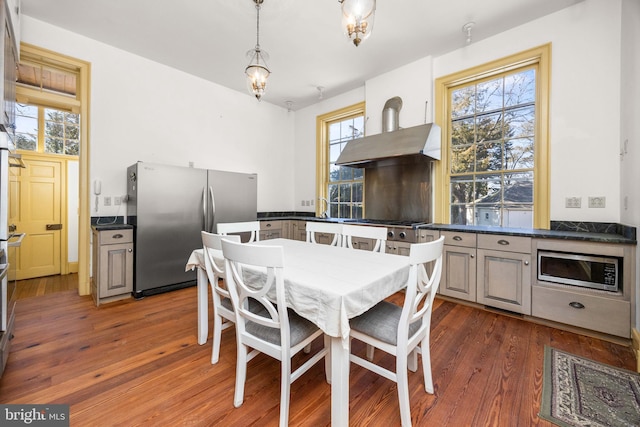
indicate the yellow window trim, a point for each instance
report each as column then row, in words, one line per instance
column 540, row 57
column 83, row 70
column 322, row 147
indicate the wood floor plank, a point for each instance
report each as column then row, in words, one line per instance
column 138, row 363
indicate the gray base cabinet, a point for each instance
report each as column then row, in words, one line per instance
column 112, row 265
column 602, row 311
column 504, row 272
column 271, row 230
column 459, row 266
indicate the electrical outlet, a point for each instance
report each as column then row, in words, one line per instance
column 107, row 200
column 301, row 202
column 572, row 202
column 597, row 202
column 117, row 200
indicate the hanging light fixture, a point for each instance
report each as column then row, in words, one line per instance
column 357, row 19
column 257, row 71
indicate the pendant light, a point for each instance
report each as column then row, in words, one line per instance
column 257, row 71
column 357, row 19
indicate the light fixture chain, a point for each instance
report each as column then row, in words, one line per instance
column 258, row 26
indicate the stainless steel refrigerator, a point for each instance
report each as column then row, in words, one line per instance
column 168, row 206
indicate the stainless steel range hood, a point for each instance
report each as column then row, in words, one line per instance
column 397, row 146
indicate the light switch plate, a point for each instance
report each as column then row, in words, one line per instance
column 573, row 202
column 597, row 202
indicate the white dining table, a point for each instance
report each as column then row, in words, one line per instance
column 327, row 285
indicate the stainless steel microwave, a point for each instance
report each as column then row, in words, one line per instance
column 590, row 271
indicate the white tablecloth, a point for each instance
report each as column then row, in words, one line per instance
column 327, row 285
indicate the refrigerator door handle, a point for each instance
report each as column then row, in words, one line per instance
column 204, row 211
column 213, row 209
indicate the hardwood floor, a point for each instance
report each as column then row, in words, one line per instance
column 137, row 363
column 46, row 285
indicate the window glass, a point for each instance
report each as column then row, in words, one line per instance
column 345, row 184
column 491, row 150
column 47, row 130
column 26, row 127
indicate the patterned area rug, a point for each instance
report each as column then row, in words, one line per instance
column 581, row 392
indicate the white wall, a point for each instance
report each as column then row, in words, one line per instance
column 413, row 83
column 304, row 166
column 585, row 100
column 73, row 204
column 142, row 110
column 630, row 125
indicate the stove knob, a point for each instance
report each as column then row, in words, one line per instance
column 403, row 235
column 390, row 234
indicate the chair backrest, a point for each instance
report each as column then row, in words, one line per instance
column 379, row 234
column 256, row 272
column 421, row 286
column 314, row 227
column 214, row 260
column 252, row 227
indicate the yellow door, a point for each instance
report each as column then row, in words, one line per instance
column 36, row 211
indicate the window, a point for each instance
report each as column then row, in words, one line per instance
column 340, row 188
column 47, row 130
column 494, row 118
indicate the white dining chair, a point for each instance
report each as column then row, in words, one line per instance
column 314, row 227
column 223, row 314
column 253, row 273
column 377, row 234
column 404, row 331
column 252, row 227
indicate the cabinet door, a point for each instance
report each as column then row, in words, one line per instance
column 504, row 280
column 116, row 269
column 398, row 248
column 362, row 243
column 459, row 272
column 298, row 231
column 425, row 236
column 271, row 230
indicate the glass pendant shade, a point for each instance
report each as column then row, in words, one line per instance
column 257, row 72
column 357, row 19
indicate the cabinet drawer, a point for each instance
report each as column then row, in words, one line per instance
column 459, row 239
column 505, row 243
column 270, row 225
column 607, row 315
column 109, row 237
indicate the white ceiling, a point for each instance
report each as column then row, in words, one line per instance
column 307, row 49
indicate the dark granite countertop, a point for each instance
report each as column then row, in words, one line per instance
column 564, row 230
column 103, row 227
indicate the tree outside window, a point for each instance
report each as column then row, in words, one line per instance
column 47, row 130
column 492, row 128
column 345, row 186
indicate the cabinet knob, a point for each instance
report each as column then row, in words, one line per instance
column 576, row 304
column 503, row 242
column 526, row 263
column 472, row 256
column 130, row 250
column 457, row 238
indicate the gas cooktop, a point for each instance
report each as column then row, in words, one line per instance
column 388, row 222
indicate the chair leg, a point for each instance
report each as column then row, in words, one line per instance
column 285, row 389
column 370, row 350
column 241, row 375
column 413, row 360
column 426, row 365
column 403, row 389
column 217, row 337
